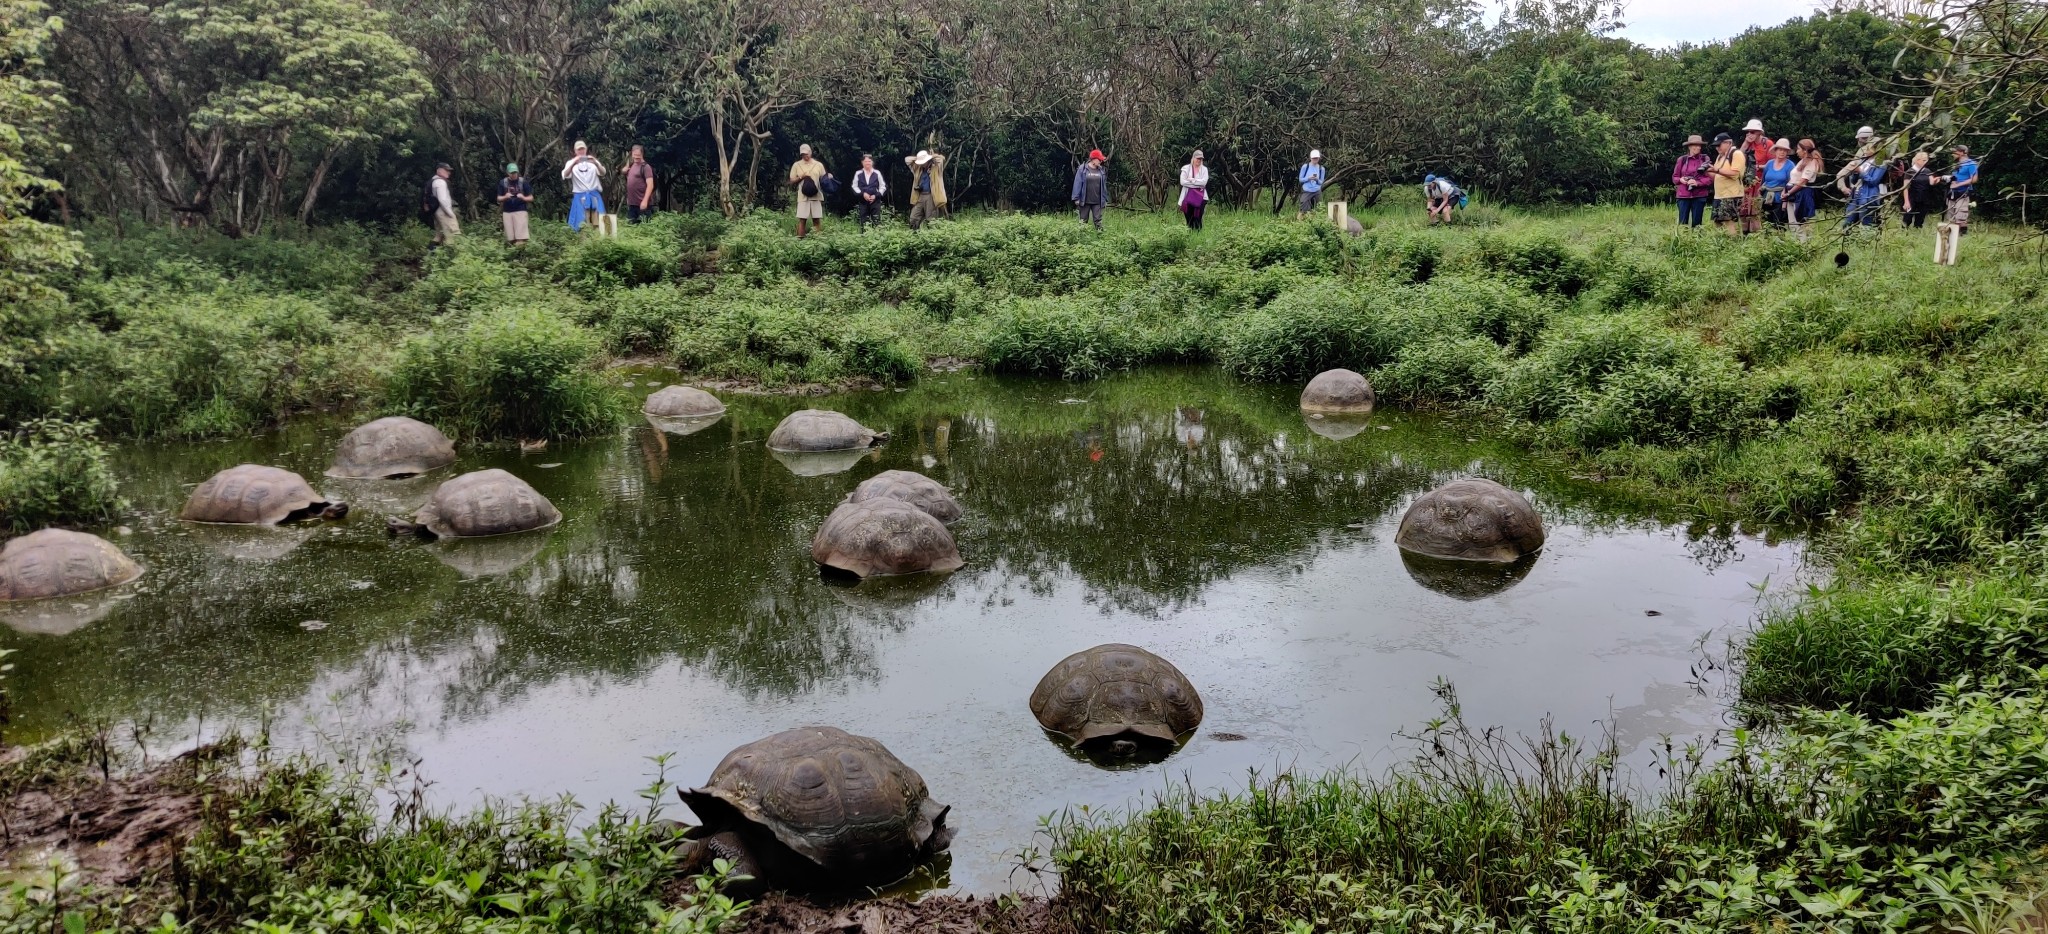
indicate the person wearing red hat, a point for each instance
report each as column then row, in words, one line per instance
column 1091, row 188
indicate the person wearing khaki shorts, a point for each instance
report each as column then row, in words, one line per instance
column 515, row 196
column 807, row 176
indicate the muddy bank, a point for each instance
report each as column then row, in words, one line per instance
column 941, row 914
column 60, row 807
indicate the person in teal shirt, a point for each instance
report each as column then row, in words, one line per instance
column 1311, row 179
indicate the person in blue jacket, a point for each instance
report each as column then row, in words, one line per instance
column 1961, row 183
column 1311, row 178
column 1866, row 197
column 1091, row 188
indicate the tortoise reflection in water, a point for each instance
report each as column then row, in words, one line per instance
column 1471, row 520
column 475, row 505
column 816, row 808
column 1118, row 700
column 252, row 494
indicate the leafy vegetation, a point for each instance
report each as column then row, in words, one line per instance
column 54, row 472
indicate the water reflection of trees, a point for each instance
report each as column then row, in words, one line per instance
column 693, row 550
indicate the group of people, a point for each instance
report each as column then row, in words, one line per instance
column 1757, row 182
column 585, row 175
column 1091, row 189
column 814, row 183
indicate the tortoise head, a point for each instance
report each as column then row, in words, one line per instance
column 335, row 511
column 395, row 527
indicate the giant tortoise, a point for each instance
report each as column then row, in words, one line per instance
column 815, row 807
column 1474, row 519
column 479, row 504
column 683, row 402
column 391, row 448
column 61, row 563
column 812, row 430
column 1116, row 697
column 252, row 494
column 1338, row 392
column 909, row 487
column 882, row 536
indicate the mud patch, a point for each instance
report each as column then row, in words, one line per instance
column 943, row 914
column 113, row 833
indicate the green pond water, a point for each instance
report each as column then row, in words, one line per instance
column 676, row 608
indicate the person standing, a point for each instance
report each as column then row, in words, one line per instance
column 927, row 187
column 586, row 187
column 441, row 207
column 1730, row 165
column 1805, row 174
column 1694, row 185
column 1776, row 179
column 1961, row 183
column 1091, row 188
column 868, row 188
column 639, row 186
column 1194, row 190
column 1918, row 193
column 1866, row 195
column 1756, row 150
column 515, row 197
column 1311, row 178
column 807, row 176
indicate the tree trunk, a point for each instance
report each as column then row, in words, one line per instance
column 313, row 185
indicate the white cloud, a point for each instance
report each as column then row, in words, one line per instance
column 1665, row 23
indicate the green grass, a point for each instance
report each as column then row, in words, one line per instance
column 1896, row 410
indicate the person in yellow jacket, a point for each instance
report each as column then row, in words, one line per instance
column 927, row 186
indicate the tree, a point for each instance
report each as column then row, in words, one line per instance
column 32, row 313
column 205, row 98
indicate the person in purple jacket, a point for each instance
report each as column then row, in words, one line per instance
column 1695, row 186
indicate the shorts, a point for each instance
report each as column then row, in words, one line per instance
column 1309, row 199
column 1959, row 210
column 1728, row 210
column 810, row 210
column 446, row 227
column 516, row 226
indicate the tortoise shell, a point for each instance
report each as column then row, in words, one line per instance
column 913, row 488
column 879, row 537
column 819, row 430
column 843, row 803
column 389, row 448
column 487, row 502
column 1471, row 520
column 683, row 402
column 1115, row 690
column 252, row 494
column 1341, row 391
column 60, row 563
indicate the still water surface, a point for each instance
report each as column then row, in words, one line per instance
column 676, row 609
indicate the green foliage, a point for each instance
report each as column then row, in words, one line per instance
column 596, row 266
column 1603, row 382
column 519, row 372
column 54, row 473
column 1060, row 337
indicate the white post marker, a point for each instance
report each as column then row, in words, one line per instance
column 608, row 225
column 1340, row 214
column 1946, row 242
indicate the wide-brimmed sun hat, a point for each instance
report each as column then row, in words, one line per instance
column 1695, row 140
column 1753, row 125
column 1784, row 144
column 923, row 156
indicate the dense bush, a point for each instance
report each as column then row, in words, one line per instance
column 1060, row 337
column 1608, row 381
column 596, row 266
column 519, row 372
column 1540, row 261
column 54, row 473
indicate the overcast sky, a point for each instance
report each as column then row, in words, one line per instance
column 1665, row 23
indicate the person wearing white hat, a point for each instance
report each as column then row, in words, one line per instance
column 1775, row 175
column 1756, row 150
column 807, row 176
column 927, row 187
column 586, row 186
column 1311, row 178
column 1194, row 190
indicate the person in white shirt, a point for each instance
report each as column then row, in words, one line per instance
column 446, row 227
column 868, row 189
column 586, row 187
column 1194, row 190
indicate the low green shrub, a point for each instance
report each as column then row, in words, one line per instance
column 55, row 472
column 594, row 267
column 1540, row 261
column 1621, row 380
column 777, row 344
column 1309, row 329
column 1441, row 370
column 518, row 372
column 1060, row 337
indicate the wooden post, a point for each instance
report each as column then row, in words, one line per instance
column 1340, row 214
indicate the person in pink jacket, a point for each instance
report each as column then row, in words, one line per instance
column 1691, row 177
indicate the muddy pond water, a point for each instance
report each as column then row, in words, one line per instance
column 677, row 610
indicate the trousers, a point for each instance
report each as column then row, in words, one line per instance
column 1092, row 213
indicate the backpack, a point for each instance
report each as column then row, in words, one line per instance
column 428, row 203
column 808, row 186
column 830, row 184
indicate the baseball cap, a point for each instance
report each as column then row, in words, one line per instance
column 511, row 168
